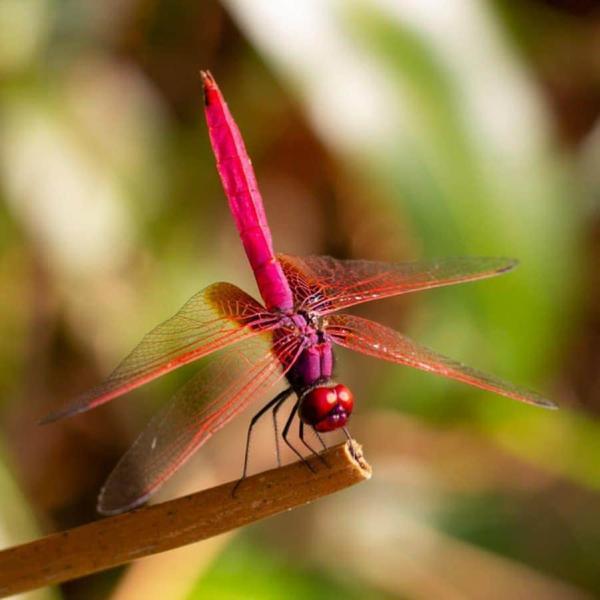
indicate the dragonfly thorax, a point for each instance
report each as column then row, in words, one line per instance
column 303, row 322
column 326, row 407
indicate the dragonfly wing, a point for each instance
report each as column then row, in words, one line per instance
column 326, row 284
column 219, row 315
column 226, row 384
column 377, row 340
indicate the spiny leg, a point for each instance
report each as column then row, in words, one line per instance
column 350, row 442
column 301, row 436
column 276, row 408
column 347, row 434
column 285, row 432
column 274, row 402
column 320, row 438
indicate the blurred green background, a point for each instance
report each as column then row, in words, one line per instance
column 384, row 130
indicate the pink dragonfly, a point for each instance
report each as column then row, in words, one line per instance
column 254, row 346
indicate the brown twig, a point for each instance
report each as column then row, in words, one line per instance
column 117, row 540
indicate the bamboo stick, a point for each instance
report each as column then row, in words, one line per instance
column 117, row 540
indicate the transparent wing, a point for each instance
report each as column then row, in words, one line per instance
column 219, row 315
column 377, row 340
column 326, row 284
column 226, row 384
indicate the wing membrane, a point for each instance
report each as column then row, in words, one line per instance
column 326, row 284
column 226, row 384
column 377, row 340
column 215, row 317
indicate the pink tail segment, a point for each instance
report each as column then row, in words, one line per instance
column 246, row 204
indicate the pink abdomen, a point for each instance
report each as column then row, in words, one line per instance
column 245, row 202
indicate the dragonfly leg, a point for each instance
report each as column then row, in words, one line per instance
column 274, row 412
column 279, row 399
column 320, row 438
column 301, row 436
column 284, row 435
column 350, row 443
column 276, row 408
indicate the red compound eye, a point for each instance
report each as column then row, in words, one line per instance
column 317, row 404
column 345, row 397
column 327, row 408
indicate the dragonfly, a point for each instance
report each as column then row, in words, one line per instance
column 249, row 348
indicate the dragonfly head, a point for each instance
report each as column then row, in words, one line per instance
column 327, row 407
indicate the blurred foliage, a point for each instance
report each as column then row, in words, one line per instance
column 378, row 130
column 246, row 570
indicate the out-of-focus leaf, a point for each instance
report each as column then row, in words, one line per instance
column 70, row 184
column 25, row 25
column 247, row 571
